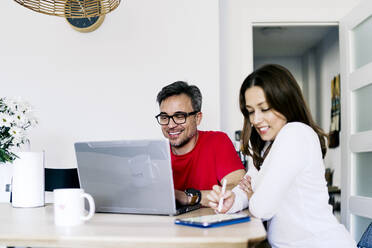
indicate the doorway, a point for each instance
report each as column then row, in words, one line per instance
column 311, row 53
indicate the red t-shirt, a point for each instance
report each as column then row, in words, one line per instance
column 212, row 158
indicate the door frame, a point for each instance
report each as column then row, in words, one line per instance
column 355, row 142
column 312, row 24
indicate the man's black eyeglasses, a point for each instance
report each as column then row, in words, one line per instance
column 178, row 117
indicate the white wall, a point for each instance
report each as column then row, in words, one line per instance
column 103, row 85
column 236, row 20
column 310, row 85
column 320, row 65
column 236, row 63
column 296, row 11
column 327, row 58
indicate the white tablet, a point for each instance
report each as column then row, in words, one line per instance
column 213, row 220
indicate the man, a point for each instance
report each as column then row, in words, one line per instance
column 200, row 159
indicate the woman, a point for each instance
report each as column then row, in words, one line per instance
column 287, row 185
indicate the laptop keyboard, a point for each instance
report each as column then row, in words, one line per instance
column 181, row 209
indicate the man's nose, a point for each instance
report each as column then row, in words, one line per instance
column 171, row 123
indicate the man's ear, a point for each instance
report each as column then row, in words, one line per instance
column 199, row 117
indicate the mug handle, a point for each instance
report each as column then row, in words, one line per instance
column 92, row 207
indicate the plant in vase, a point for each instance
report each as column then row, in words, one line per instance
column 16, row 117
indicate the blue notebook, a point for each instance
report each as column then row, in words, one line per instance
column 213, row 220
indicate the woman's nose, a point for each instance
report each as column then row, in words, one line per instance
column 257, row 117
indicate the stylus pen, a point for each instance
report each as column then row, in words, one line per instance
column 220, row 203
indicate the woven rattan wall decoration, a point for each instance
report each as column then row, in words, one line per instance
column 71, row 8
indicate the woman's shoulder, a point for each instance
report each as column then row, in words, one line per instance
column 297, row 130
column 300, row 138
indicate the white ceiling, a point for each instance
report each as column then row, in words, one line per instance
column 287, row 40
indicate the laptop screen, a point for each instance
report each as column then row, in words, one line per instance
column 128, row 176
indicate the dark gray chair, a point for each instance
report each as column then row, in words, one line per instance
column 366, row 239
column 61, row 178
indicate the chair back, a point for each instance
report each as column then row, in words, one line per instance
column 366, row 239
column 61, row 178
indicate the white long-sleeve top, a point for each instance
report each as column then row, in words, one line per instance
column 290, row 192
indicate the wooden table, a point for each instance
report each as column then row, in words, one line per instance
column 35, row 227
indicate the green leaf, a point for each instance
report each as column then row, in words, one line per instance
column 6, row 157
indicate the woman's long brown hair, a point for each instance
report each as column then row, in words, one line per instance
column 282, row 95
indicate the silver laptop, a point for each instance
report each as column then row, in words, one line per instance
column 129, row 176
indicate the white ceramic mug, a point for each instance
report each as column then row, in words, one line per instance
column 69, row 207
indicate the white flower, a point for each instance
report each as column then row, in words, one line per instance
column 20, row 119
column 32, row 120
column 5, row 120
column 18, row 135
column 23, row 107
column 16, row 116
column 11, row 104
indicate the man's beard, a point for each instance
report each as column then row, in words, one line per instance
column 185, row 141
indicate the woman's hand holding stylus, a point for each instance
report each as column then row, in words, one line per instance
column 216, row 196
